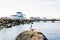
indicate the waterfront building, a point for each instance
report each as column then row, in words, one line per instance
column 19, row 15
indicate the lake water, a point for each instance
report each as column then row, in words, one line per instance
column 49, row 29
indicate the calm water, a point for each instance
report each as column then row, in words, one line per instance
column 49, row 29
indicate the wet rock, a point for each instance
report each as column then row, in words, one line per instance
column 9, row 26
column 1, row 27
column 31, row 35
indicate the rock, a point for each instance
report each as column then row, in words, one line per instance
column 31, row 35
column 9, row 26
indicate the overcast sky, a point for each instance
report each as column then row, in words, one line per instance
column 41, row 8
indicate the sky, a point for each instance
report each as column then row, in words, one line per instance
column 31, row 8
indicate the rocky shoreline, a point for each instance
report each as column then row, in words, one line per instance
column 7, row 22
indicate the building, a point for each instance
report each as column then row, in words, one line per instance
column 19, row 15
column 34, row 18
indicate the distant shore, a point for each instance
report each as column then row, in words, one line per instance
column 6, row 22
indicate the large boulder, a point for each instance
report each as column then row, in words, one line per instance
column 31, row 35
